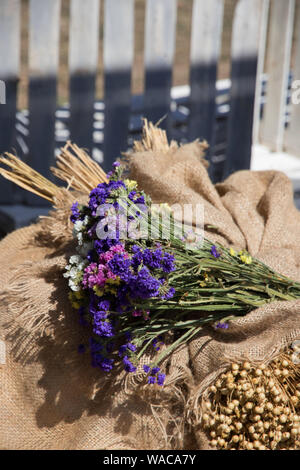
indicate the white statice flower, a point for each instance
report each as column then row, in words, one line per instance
column 74, row 271
column 79, row 228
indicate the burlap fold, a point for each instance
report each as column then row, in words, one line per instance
column 51, row 398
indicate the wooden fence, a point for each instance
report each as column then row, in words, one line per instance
column 245, row 122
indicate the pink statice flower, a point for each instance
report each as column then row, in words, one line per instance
column 94, row 275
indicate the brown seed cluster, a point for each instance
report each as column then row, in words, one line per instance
column 255, row 407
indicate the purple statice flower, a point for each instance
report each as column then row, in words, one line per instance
column 151, row 380
column 161, row 379
column 122, row 349
column 128, row 336
column 103, row 328
column 143, row 285
column 128, row 366
column 97, row 314
column 111, row 173
column 169, row 294
column 98, row 359
column 104, row 305
column 215, row 252
column 138, row 200
column 222, row 325
column 168, row 263
column 155, row 370
column 137, row 258
column 131, row 347
column 141, row 202
column 146, row 368
column 98, row 197
column 114, row 185
column 99, row 194
column 120, row 266
column 106, row 364
column 75, row 213
column 153, row 259
column 98, row 309
column 131, row 195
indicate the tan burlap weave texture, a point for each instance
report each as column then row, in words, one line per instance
column 50, row 396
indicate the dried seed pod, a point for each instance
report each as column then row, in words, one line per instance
column 259, row 407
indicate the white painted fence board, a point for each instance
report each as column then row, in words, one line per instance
column 118, row 59
column 160, row 29
column 160, row 33
column 207, row 22
column 84, row 35
column 83, row 61
column 278, row 64
column 244, row 53
column 292, row 136
column 44, row 26
column 43, row 37
column 9, row 71
column 260, row 67
column 118, row 35
column 9, row 38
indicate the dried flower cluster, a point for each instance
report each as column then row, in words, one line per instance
column 255, row 407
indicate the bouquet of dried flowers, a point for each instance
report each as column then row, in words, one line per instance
column 139, row 290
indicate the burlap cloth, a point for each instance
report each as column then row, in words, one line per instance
column 51, row 398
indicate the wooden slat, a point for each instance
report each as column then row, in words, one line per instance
column 44, row 23
column 159, row 53
column 244, row 52
column 205, row 48
column 118, row 59
column 9, row 71
column 260, row 67
column 292, row 137
column 83, row 60
column 278, row 64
